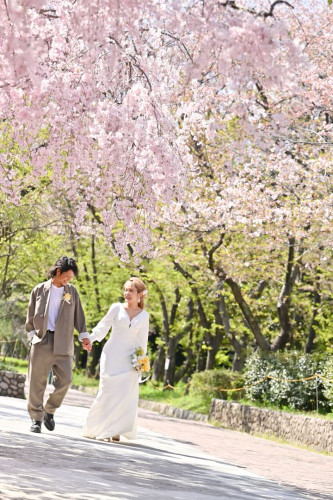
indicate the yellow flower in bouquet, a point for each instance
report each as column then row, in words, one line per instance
column 145, row 364
column 141, row 364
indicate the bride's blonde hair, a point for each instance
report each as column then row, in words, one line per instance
column 140, row 288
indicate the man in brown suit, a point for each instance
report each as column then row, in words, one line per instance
column 54, row 311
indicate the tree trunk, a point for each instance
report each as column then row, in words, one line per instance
column 239, row 361
column 188, row 330
column 309, row 346
column 93, row 358
column 239, row 347
column 200, row 361
column 170, row 342
column 284, row 301
column 249, row 317
column 215, row 340
column 158, row 368
column 210, row 360
column 208, row 337
column 186, row 367
column 170, row 366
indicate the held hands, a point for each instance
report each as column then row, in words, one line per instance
column 86, row 344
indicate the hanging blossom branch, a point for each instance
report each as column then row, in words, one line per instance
column 90, row 83
column 181, row 44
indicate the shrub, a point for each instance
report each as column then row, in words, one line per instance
column 327, row 372
column 281, row 390
column 206, row 384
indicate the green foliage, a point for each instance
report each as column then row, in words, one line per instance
column 101, row 277
column 280, row 390
column 206, row 384
column 5, row 325
column 327, row 382
column 29, row 245
column 222, row 359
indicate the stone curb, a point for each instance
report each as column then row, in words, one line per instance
column 172, row 411
column 86, row 390
column 162, row 408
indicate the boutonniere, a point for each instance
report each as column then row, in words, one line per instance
column 67, row 297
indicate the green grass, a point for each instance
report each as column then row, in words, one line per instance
column 81, row 380
column 14, row 364
column 174, row 397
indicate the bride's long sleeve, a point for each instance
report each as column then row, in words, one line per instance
column 142, row 338
column 102, row 328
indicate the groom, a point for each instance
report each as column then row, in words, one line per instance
column 54, row 311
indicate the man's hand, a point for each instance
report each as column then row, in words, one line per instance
column 86, row 344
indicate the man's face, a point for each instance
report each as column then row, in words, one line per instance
column 63, row 278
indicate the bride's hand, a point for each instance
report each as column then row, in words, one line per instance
column 86, row 344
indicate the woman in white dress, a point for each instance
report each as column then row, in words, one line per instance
column 114, row 411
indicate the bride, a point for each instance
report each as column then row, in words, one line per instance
column 114, row 411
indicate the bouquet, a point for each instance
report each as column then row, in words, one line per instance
column 141, row 364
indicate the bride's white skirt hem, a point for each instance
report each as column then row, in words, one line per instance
column 114, row 411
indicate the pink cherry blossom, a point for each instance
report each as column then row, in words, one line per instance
column 109, row 98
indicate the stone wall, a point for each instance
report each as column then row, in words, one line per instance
column 12, row 384
column 172, row 411
column 314, row 432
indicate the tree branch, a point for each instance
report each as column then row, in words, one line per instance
column 274, row 4
column 213, row 250
column 270, row 13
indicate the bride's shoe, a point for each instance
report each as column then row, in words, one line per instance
column 116, row 438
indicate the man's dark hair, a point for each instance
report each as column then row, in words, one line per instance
column 64, row 264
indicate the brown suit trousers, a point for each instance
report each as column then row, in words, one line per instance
column 42, row 360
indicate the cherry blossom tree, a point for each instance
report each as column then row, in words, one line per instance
column 266, row 173
column 98, row 99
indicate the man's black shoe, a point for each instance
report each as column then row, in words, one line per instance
column 36, row 426
column 48, row 421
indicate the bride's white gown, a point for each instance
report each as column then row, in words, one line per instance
column 114, row 410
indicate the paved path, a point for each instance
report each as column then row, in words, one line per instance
column 172, row 459
column 287, row 465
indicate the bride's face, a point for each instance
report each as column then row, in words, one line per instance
column 130, row 293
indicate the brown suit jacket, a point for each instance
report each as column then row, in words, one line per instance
column 70, row 316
